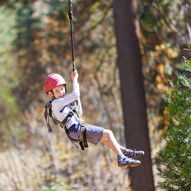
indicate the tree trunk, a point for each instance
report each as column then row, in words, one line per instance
column 132, row 92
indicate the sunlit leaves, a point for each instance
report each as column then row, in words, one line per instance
column 163, row 36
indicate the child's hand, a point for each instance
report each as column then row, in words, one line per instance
column 74, row 75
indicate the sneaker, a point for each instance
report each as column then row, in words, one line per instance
column 133, row 153
column 126, row 161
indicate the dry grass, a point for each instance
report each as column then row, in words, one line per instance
column 56, row 162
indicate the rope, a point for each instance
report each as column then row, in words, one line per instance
column 70, row 14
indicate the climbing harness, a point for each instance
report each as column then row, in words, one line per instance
column 48, row 114
column 70, row 14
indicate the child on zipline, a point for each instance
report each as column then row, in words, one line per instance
column 62, row 110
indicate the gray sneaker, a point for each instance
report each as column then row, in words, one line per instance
column 133, row 153
column 126, row 161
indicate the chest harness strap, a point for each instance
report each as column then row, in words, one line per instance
column 48, row 113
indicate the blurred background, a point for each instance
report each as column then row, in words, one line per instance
column 126, row 52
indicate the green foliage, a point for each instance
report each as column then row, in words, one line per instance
column 162, row 27
column 58, row 187
column 8, row 74
column 176, row 157
column 28, row 54
column 58, row 9
column 7, row 71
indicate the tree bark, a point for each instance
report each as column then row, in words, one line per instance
column 132, row 91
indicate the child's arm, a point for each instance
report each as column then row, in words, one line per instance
column 74, row 76
column 75, row 95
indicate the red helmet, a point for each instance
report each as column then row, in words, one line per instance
column 53, row 80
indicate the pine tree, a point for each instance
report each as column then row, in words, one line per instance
column 176, row 157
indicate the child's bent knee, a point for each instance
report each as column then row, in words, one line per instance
column 108, row 133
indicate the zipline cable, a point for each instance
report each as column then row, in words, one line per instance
column 70, row 14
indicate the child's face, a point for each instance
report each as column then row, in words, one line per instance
column 59, row 91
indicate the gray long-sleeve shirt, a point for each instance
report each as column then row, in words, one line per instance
column 61, row 106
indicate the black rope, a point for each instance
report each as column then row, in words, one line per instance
column 70, row 14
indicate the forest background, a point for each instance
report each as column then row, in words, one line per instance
column 34, row 41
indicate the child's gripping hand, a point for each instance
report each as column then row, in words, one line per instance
column 74, row 75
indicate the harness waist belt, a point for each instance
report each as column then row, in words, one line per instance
column 68, row 117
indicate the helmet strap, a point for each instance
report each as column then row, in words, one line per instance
column 53, row 94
